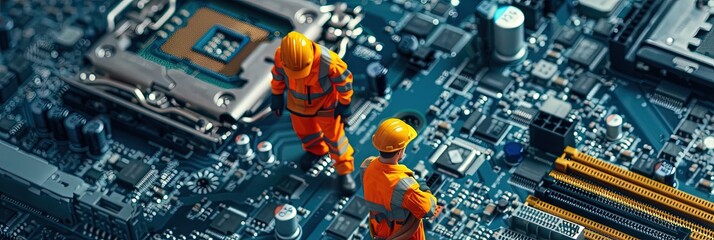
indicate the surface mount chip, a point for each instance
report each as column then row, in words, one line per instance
column 265, row 215
column 343, row 226
column 228, row 221
column 419, row 24
column 449, row 39
column 585, row 86
column 491, row 129
column 494, row 84
column 568, row 36
column 132, row 173
column 588, row 53
column 357, row 208
column 457, row 157
column 291, row 185
column 215, row 42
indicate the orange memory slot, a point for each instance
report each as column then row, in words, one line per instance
column 577, row 156
column 587, row 223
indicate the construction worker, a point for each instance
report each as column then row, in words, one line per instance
column 319, row 92
column 396, row 201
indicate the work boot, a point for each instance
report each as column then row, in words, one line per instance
column 307, row 160
column 347, row 184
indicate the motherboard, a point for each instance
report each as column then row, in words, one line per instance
column 537, row 119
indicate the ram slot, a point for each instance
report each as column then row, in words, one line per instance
column 536, row 223
column 592, row 235
column 572, row 167
column 698, row 231
column 601, row 215
column 577, row 156
column 616, row 207
column 585, row 222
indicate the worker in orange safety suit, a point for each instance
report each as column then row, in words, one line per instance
column 319, row 92
column 397, row 202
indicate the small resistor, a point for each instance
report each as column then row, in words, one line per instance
column 560, row 81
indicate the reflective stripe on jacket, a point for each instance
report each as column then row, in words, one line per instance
column 329, row 82
column 391, row 195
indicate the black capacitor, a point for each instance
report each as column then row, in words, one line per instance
column 95, row 135
column 377, row 75
column 408, row 45
column 107, row 124
column 6, row 26
column 664, row 172
column 37, row 114
column 55, row 118
column 73, row 125
column 502, row 205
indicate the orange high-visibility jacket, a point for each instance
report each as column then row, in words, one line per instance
column 329, row 82
column 392, row 194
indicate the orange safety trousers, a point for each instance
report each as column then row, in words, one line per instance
column 324, row 134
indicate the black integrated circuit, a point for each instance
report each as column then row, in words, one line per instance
column 357, row 208
column 585, row 85
column 495, row 83
column 419, row 25
column 265, row 216
column 491, row 129
column 343, row 226
column 228, row 221
column 131, row 175
column 588, row 53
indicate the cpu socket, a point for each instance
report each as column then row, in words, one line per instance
column 214, row 43
column 197, row 77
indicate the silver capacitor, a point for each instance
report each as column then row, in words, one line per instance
column 508, row 34
column 286, row 223
column 243, row 146
column 265, row 153
column 613, row 127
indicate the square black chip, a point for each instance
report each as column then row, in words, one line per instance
column 419, row 25
column 228, row 221
column 132, row 173
column 588, row 53
column 343, row 226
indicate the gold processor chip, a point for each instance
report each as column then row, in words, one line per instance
column 215, row 41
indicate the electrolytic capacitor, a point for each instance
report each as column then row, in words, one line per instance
column 55, row 118
column 377, row 74
column 408, row 45
column 243, row 146
column 6, row 26
column 95, row 134
column 508, row 34
column 664, row 172
column 265, row 153
column 513, row 152
column 286, row 223
column 73, row 124
column 613, row 127
column 37, row 114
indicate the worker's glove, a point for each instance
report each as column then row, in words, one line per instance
column 422, row 185
column 277, row 104
column 343, row 110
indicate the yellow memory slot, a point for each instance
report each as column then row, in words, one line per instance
column 698, row 231
column 592, row 235
column 587, row 223
column 567, row 166
column 575, row 155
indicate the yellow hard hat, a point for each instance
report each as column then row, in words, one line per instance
column 393, row 135
column 297, row 54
